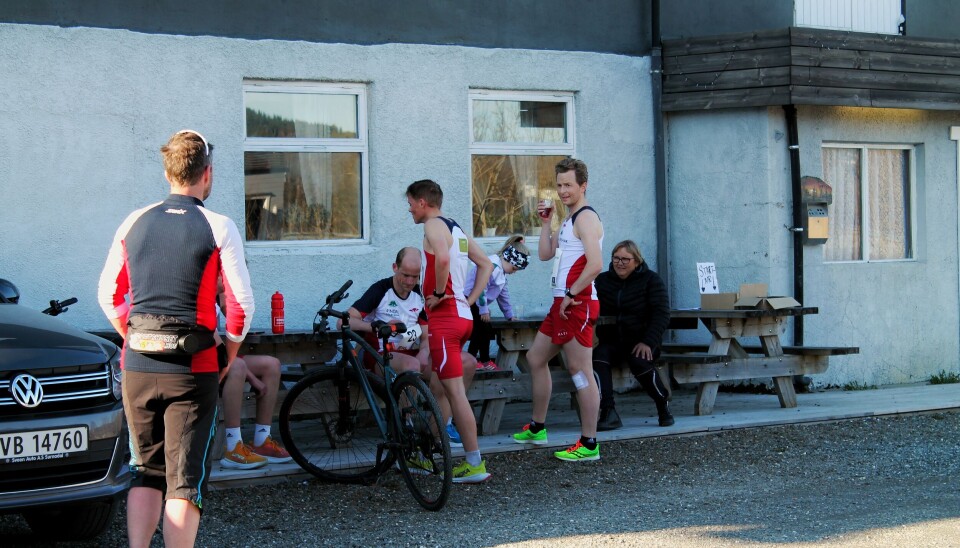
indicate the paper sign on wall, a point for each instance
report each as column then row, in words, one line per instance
column 707, row 273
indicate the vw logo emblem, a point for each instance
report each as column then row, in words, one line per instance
column 26, row 390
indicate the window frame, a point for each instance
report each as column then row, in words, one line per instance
column 306, row 144
column 864, row 149
column 519, row 149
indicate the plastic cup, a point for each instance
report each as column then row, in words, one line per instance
column 547, row 208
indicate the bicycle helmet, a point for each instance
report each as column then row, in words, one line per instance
column 8, row 292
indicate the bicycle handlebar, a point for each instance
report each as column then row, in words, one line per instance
column 381, row 329
column 339, row 294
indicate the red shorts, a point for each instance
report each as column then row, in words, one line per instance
column 578, row 325
column 447, row 335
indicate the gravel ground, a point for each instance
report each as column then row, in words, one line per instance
column 891, row 481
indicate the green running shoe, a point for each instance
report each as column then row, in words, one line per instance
column 526, row 436
column 579, row 453
column 419, row 466
column 464, row 473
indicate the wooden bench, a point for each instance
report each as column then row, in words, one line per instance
column 680, row 349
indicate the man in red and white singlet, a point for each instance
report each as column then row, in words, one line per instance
column 576, row 250
column 446, row 251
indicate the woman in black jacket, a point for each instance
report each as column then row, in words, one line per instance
column 637, row 297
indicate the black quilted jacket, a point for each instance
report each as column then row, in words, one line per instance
column 639, row 303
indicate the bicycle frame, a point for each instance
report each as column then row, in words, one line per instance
column 349, row 358
column 366, row 426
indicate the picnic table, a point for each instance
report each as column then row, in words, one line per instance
column 741, row 361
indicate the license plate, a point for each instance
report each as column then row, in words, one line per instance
column 42, row 444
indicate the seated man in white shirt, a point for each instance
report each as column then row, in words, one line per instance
column 398, row 299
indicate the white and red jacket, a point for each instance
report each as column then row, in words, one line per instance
column 165, row 260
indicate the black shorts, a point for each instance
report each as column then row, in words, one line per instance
column 172, row 422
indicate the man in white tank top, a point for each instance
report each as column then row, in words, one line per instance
column 576, row 250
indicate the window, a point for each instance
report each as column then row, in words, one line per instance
column 870, row 217
column 305, row 162
column 516, row 139
column 879, row 16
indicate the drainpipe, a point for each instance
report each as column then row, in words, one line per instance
column 793, row 145
column 659, row 153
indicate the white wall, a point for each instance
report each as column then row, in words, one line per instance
column 84, row 112
column 729, row 199
column 902, row 315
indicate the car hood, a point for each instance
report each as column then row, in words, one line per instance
column 30, row 339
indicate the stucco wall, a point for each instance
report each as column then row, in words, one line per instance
column 902, row 315
column 85, row 111
column 729, row 199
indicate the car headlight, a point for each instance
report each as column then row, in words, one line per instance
column 116, row 375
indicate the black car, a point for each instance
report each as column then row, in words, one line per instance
column 63, row 439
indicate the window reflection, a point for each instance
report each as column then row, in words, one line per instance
column 302, row 195
column 506, row 189
column 519, row 121
column 301, row 115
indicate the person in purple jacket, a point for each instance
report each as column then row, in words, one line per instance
column 512, row 257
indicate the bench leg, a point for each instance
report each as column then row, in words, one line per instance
column 706, row 397
column 490, row 414
column 785, row 391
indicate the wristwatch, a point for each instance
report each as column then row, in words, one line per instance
column 571, row 295
column 438, row 294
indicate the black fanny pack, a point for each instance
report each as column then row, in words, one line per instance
column 157, row 334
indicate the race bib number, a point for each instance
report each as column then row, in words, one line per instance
column 464, row 245
column 409, row 340
column 556, row 269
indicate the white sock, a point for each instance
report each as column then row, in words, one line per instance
column 473, row 458
column 449, row 420
column 233, row 438
column 260, row 434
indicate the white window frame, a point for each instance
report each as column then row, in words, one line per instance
column 520, row 149
column 865, row 199
column 358, row 145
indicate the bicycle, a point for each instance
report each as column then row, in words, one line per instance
column 343, row 423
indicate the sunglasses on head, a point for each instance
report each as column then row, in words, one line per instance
column 206, row 146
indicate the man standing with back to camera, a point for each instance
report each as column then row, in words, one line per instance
column 158, row 288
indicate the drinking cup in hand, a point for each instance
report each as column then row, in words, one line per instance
column 546, row 208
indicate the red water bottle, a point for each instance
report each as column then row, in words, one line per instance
column 276, row 312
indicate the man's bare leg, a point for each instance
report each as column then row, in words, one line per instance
column 267, row 369
column 539, row 355
column 181, row 520
column 462, row 413
column 144, row 505
column 580, row 360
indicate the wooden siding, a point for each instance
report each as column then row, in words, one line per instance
column 805, row 66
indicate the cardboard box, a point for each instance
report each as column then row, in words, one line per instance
column 752, row 290
column 755, row 296
column 718, row 301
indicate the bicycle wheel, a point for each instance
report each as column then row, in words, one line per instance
column 424, row 453
column 329, row 429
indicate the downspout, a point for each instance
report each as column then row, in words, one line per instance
column 793, row 145
column 659, row 153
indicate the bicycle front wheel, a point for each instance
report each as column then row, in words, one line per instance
column 329, row 429
column 424, row 454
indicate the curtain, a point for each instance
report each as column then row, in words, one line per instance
column 888, row 180
column 841, row 170
column 525, row 175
